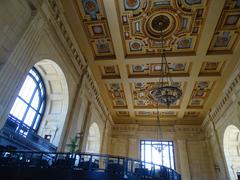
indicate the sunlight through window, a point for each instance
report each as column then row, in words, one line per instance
column 30, row 103
column 158, row 152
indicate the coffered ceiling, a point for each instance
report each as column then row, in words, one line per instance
column 120, row 41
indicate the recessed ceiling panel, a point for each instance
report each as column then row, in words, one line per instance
column 153, row 70
column 142, row 98
column 200, row 94
column 227, row 31
column 110, row 72
column 92, row 15
column 117, row 95
column 140, row 22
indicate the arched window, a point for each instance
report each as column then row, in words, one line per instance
column 93, row 140
column 231, row 145
column 29, row 105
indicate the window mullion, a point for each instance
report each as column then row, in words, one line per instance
column 41, row 100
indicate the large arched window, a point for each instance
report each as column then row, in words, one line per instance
column 29, row 105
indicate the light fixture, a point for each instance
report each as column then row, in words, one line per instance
column 167, row 92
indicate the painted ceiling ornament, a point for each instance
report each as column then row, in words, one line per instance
column 132, row 4
column 182, row 19
column 167, row 92
column 153, row 25
column 91, row 8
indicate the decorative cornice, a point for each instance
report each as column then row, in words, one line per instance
column 60, row 21
column 224, row 102
column 177, row 128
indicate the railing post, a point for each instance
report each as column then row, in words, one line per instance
column 90, row 163
column 125, row 168
column 106, row 164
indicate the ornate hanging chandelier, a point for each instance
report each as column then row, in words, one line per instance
column 167, row 92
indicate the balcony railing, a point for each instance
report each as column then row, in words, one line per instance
column 79, row 162
column 20, row 134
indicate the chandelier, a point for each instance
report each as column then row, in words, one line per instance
column 167, row 92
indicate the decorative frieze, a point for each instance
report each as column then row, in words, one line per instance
column 225, row 101
column 62, row 27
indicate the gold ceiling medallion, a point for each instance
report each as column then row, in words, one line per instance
column 167, row 93
column 154, row 30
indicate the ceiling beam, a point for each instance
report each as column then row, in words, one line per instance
column 213, row 14
column 113, row 21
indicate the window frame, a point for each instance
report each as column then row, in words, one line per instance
column 40, row 89
column 172, row 166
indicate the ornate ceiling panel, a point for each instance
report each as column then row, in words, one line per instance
column 211, row 68
column 116, row 94
column 164, row 114
column 153, row 70
column 142, row 98
column 227, row 31
column 191, row 114
column 110, row 72
column 195, row 33
column 122, row 113
column 139, row 20
column 92, row 15
column 200, row 94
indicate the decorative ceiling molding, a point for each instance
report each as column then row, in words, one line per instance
column 143, row 99
column 200, row 94
column 134, row 24
column 153, row 70
column 227, row 31
column 139, row 21
column 93, row 18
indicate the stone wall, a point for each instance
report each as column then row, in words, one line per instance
column 224, row 113
column 191, row 153
column 15, row 18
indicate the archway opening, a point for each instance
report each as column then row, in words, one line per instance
column 231, row 145
column 93, row 140
column 57, row 94
column 39, row 110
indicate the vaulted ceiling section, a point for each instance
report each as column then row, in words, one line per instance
column 120, row 39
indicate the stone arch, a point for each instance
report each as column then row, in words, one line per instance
column 53, row 121
column 231, row 146
column 93, row 139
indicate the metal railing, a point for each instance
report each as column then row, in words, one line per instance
column 15, row 130
column 88, row 162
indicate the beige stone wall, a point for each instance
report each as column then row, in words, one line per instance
column 15, row 18
column 191, row 153
column 225, row 112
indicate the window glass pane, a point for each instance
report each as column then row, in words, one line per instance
column 157, row 152
column 18, row 109
column 35, row 101
column 37, row 121
column 30, row 102
column 27, row 89
column 172, row 157
column 30, row 117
